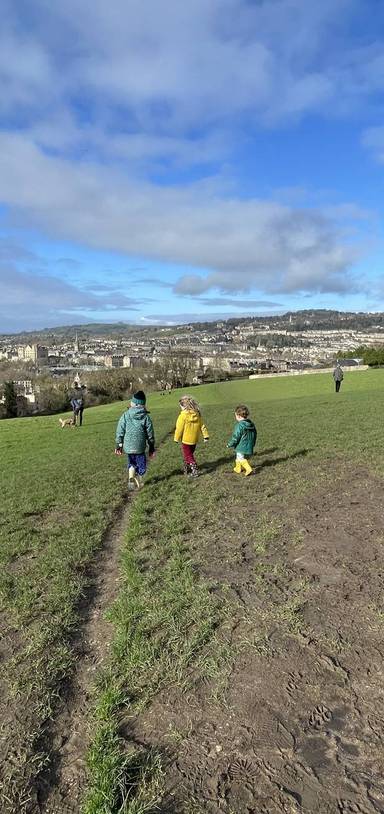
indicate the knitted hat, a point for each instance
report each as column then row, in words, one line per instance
column 139, row 398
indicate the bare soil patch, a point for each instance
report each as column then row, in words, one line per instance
column 295, row 720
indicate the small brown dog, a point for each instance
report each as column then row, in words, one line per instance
column 66, row 422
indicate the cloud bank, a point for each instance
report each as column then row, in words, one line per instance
column 244, row 243
column 29, row 300
column 175, row 66
column 120, row 120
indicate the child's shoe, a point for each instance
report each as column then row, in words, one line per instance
column 194, row 471
column 247, row 467
column 186, row 469
column 237, row 468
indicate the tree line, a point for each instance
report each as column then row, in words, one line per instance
column 374, row 357
column 104, row 385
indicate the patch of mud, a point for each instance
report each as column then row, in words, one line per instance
column 301, row 726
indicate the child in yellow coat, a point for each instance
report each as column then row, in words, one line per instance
column 189, row 425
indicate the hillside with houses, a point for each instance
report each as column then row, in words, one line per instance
column 164, row 357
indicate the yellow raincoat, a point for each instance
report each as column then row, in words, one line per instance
column 189, row 425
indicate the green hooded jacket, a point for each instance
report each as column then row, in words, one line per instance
column 244, row 436
column 135, row 430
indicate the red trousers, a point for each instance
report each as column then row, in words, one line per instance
column 188, row 450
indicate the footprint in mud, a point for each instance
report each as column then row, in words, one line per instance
column 270, row 732
column 236, row 790
column 242, row 769
column 243, row 781
column 319, row 716
column 293, row 683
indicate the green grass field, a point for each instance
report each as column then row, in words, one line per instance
column 60, row 492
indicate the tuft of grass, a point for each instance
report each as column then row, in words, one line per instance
column 132, row 782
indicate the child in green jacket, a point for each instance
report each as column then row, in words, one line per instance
column 133, row 434
column 243, row 439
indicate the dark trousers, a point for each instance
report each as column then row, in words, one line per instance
column 139, row 461
column 78, row 414
column 188, row 450
column 338, row 385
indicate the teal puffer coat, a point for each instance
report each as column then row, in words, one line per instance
column 244, row 437
column 135, row 430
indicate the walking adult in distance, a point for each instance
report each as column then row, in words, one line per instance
column 338, row 376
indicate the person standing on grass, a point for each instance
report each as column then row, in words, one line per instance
column 243, row 440
column 133, row 434
column 338, row 376
column 77, row 404
column 189, row 426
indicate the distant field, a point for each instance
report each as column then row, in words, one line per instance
column 189, row 552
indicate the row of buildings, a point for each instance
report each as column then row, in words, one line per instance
column 220, row 345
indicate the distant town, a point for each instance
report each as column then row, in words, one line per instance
column 165, row 357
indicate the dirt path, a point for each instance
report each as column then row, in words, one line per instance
column 299, row 721
column 60, row 789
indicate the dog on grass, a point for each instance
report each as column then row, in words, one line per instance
column 66, row 422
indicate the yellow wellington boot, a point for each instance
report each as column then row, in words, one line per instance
column 237, row 468
column 131, row 477
column 247, row 467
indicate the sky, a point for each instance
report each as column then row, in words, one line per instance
column 163, row 162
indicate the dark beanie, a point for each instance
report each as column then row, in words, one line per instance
column 139, row 398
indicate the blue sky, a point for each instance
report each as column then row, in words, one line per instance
column 163, row 162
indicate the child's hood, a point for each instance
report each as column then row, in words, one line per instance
column 247, row 424
column 138, row 413
column 193, row 417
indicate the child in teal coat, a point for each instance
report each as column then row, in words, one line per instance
column 133, row 434
column 243, row 440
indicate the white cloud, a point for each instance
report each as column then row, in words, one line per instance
column 241, row 243
column 61, row 134
column 169, row 66
column 38, row 300
column 235, row 303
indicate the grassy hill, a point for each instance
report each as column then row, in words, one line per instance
column 242, row 603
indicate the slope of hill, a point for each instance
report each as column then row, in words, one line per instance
column 313, row 319
column 238, row 679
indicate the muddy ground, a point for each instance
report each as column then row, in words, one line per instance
column 295, row 720
column 291, row 718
